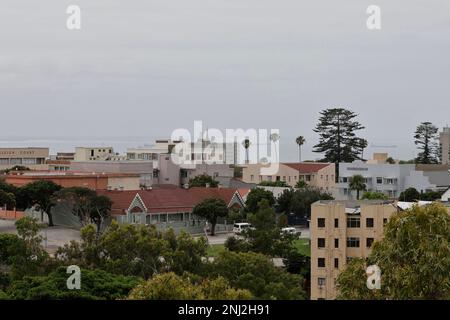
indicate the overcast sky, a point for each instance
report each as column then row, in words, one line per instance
column 146, row 67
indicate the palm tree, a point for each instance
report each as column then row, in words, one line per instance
column 274, row 137
column 358, row 183
column 300, row 141
column 246, row 143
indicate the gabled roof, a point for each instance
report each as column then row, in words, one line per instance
column 168, row 200
column 306, row 167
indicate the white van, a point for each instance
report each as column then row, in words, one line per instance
column 242, row 226
column 291, row 230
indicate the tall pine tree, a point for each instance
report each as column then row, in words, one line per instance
column 426, row 137
column 338, row 140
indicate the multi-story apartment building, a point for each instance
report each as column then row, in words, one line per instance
column 319, row 175
column 96, row 154
column 444, row 145
column 32, row 158
column 390, row 179
column 340, row 231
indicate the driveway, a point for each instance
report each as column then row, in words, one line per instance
column 55, row 237
column 222, row 237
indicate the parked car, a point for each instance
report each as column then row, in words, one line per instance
column 240, row 227
column 291, row 230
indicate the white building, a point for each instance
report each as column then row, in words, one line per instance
column 391, row 179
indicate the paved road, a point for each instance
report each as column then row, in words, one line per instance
column 221, row 238
column 55, row 236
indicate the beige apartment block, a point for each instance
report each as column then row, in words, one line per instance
column 444, row 142
column 315, row 174
column 32, row 158
column 94, row 154
column 340, row 231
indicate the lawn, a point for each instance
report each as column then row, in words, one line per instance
column 215, row 249
column 302, row 246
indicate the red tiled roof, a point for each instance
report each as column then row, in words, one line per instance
column 306, row 167
column 167, row 200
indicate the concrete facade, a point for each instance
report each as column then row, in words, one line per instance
column 391, row 179
column 104, row 181
column 318, row 175
column 32, row 158
column 341, row 230
column 143, row 168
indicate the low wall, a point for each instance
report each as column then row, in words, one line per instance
column 11, row 214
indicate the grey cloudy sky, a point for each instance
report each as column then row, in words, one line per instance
column 146, row 67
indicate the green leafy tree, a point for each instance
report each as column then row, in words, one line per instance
column 265, row 236
column 255, row 196
column 426, row 137
column 203, row 181
column 96, row 285
column 85, row 204
column 337, row 129
column 409, row 195
column 101, row 210
column 39, row 194
column 413, row 257
column 352, row 282
column 29, row 258
column 211, row 210
column 273, row 183
column 7, row 199
column 170, row 286
column 357, row 182
column 301, row 184
column 257, row 273
column 299, row 201
column 374, row 195
column 135, row 250
column 390, row 160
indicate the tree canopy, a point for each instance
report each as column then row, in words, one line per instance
column 338, row 141
column 211, row 209
column 203, row 181
column 426, row 137
column 255, row 196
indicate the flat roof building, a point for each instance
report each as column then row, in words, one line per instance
column 32, row 158
column 94, row 181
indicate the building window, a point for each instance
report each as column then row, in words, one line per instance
column 321, row 262
column 336, row 243
column 352, row 242
column 321, row 222
column 369, row 222
column 278, row 178
column 308, row 178
column 321, row 282
column 336, row 263
column 252, row 177
column 379, row 180
column 353, row 222
column 336, row 223
column 321, row 242
column 369, row 242
column 384, row 221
